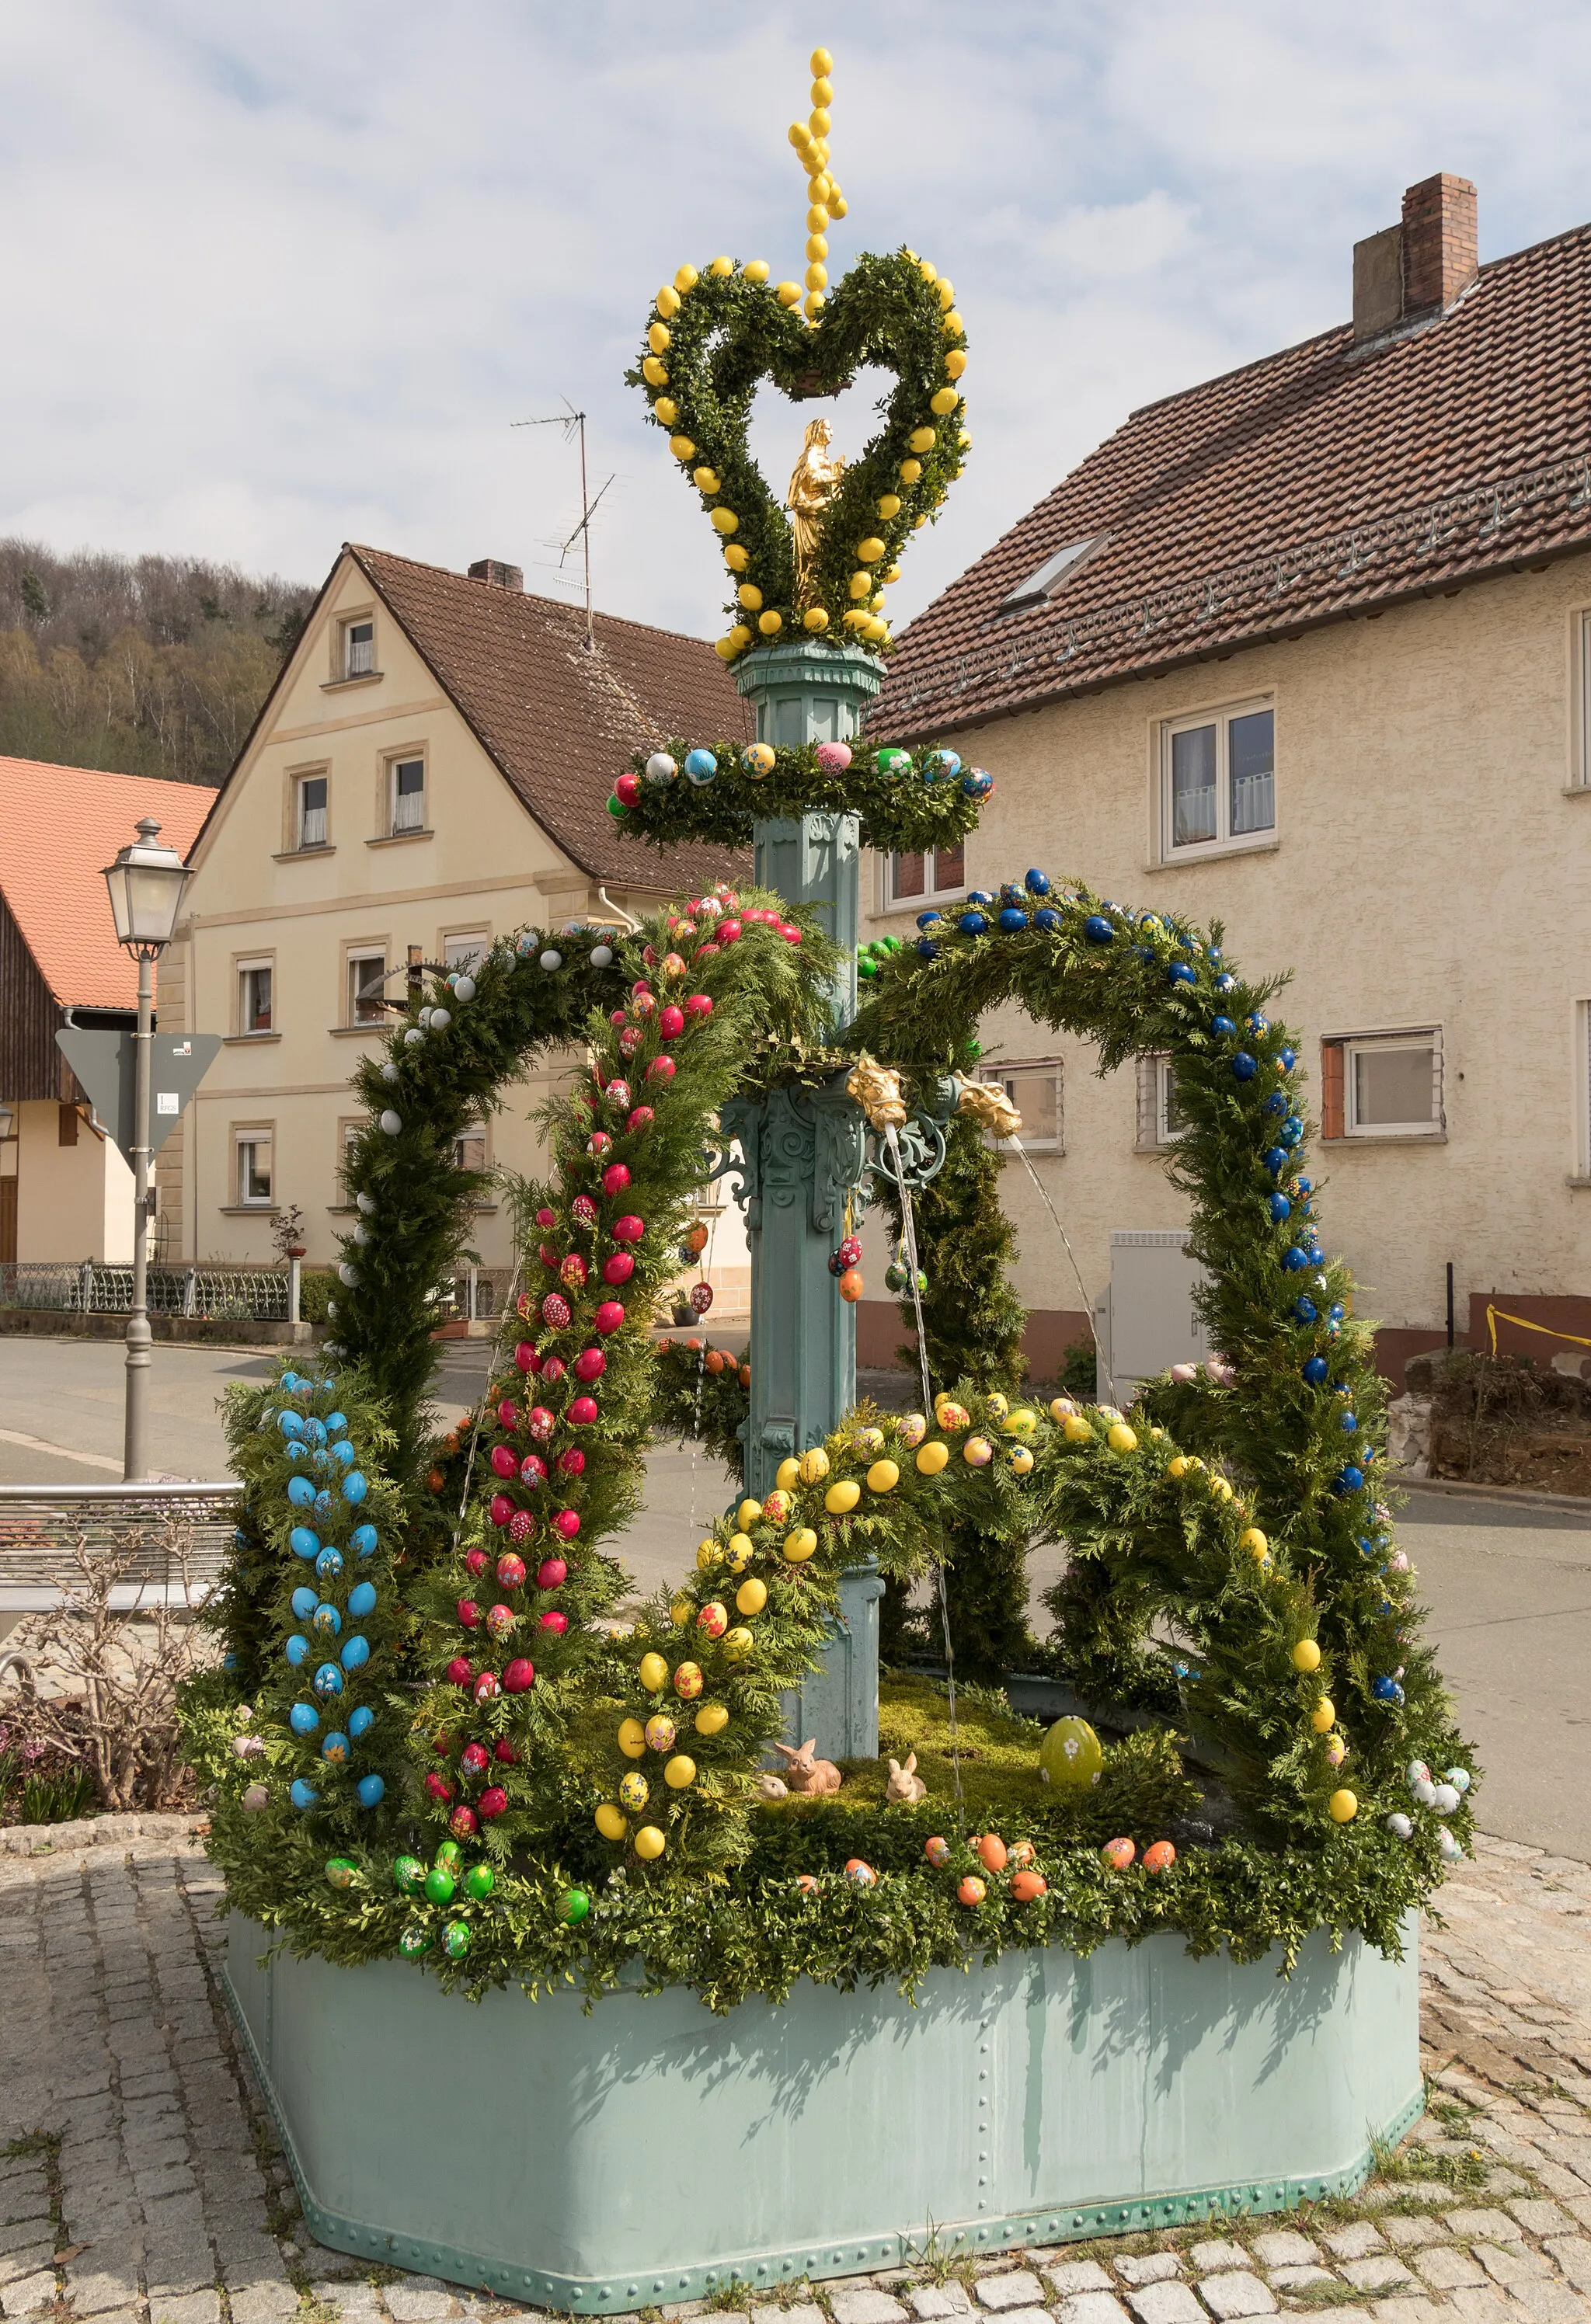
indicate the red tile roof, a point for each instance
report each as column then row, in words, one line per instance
column 560, row 722
column 1297, row 490
column 59, row 826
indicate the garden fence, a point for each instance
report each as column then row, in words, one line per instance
column 93, row 1287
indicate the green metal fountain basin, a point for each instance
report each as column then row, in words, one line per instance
column 645, row 2151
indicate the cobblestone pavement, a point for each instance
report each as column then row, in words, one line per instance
column 140, row 2181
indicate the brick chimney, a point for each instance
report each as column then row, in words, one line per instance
column 1420, row 267
column 497, row 576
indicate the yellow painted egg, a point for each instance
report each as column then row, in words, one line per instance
column 610, row 1820
column 680, row 1773
column 632, row 1738
column 816, row 276
column 815, row 618
column 661, row 1732
column 822, row 91
column 1120, row 1438
column 952, row 1415
column 888, row 506
column 1253, row 1538
column 681, row 447
column 842, row 1496
column 952, row 326
column 749, row 596
column 789, row 1477
column 649, row 1843
column 688, row 1681
column 819, row 122
column 799, row 1545
column 686, row 279
column 956, row 361
column 747, row 1513
column 634, row 1794
column 977, row 1452
column 933, row 1456
column 738, row 639
column 713, row 1619
column 681, row 1611
column 769, row 623
column 1070, row 1756
column 736, row 557
column 924, row 439
column 1062, row 1407
column 653, row 373
column 712, row 1719
column 1177, row 1466
column 870, row 550
column 814, row 1466
column 722, row 266
column 883, row 1477
column 909, row 471
column 1021, row 1461
column 821, row 64
column 816, row 218
column 752, row 1595
column 998, row 1404
column 911, row 1428
column 755, row 269
column 1323, row 1718
column 737, row 1643
column 757, row 759
column 788, row 294
column 1076, row 1430
column 861, row 585
column 1337, row 1751
column 1306, row 1655
column 740, row 1551
column 869, row 1441
column 947, row 293
column 708, row 1555
column 657, row 338
column 1021, row 1421
column 666, row 303
column 725, row 520
column 1344, row 1806
column 666, row 410
column 944, row 401
column 776, row 1507
column 653, row 1672
column 1221, row 1488
column 705, row 480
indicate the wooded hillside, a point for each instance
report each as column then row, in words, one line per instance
column 146, row 665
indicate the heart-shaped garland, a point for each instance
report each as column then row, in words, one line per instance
column 715, row 336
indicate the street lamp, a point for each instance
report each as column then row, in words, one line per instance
column 146, row 882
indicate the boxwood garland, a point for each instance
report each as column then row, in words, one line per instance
column 713, row 339
column 926, row 806
column 1168, row 1530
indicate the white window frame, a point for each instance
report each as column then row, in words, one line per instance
column 244, row 1141
column 356, row 958
column 1008, row 1072
column 302, row 811
column 265, row 965
column 397, row 762
column 1220, row 716
column 933, row 893
column 1422, row 1037
column 1582, row 770
column 1156, row 1074
column 358, row 655
column 465, row 947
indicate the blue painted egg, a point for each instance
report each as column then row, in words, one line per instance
column 329, row 1564
column 303, row 1719
column 1304, row 1185
column 365, row 1539
column 291, row 1425
column 1275, row 1102
column 1047, row 918
column 1257, row 1024
column 978, row 784
column 1336, row 1313
column 1348, row 1423
column 1180, row 973
column 344, row 1452
column 1037, row 883
column 362, row 1600
column 1098, row 930
column 301, row 1493
column 1223, row 983
column 328, row 1680
column 304, row 1543
column 296, row 1649
column 979, row 896
column 1287, row 1059
column 315, row 1430
column 1348, row 1479
column 287, row 1382
column 927, row 948
column 1290, row 1131
column 1315, row 1372
column 1386, row 1689
column 336, row 1422
column 1222, row 1024
column 354, row 1486
column 303, row 1603
column 1278, row 1207
column 1013, row 920
column 299, row 1460
column 335, row 1751
column 302, row 1794
column 1244, row 1067
column 355, row 1652
column 929, row 919
column 701, row 766
column 327, row 1620
column 1305, row 1310
column 940, row 764
column 973, row 923
column 321, row 1460
column 322, row 1506
column 371, row 1790
column 362, row 1722
column 1293, row 1258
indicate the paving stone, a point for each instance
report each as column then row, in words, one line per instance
column 26, row 2292
column 19, row 2237
column 1003, row 2293
column 31, row 2257
column 94, row 2291
column 1378, row 2273
column 1164, row 2303
column 264, row 2303
column 24, row 2198
column 1219, row 2258
column 1148, row 2267
column 1235, row 2293
column 1511, row 2264
column 1444, row 2267
column 1299, row 2278
column 1408, row 2235
column 1492, row 2227
column 931, row 2301
column 1573, row 2254
column 1540, row 2219
column 1074, row 2275
column 868, row 2306
column 185, row 2308
column 360, row 2299
column 1282, row 2247
column 1093, row 2308
column 1356, row 2242
column 171, row 2270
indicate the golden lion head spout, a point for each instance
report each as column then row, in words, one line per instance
column 877, row 1091
column 989, row 1106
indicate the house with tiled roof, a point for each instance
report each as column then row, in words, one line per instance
column 430, row 772
column 1306, row 649
column 65, row 1192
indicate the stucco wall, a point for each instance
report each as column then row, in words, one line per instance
column 1427, row 870
column 72, row 1202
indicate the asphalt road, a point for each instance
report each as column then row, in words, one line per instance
column 1508, row 1587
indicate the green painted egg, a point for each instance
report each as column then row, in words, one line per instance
column 1070, row 1756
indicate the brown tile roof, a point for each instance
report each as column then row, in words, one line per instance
column 560, row 722
column 59, row 826
column 1295, row 491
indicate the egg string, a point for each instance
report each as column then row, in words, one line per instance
column 909, row 1224
column 1014, row 1142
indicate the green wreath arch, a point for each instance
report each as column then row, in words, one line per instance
column 1233, row 1571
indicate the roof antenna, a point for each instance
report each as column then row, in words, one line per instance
column 571, row 420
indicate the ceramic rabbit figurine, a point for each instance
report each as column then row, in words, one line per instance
column 806, row 1775
column 768, row 1786
column 906, row 1786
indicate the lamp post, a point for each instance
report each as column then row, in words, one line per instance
column 146, row 882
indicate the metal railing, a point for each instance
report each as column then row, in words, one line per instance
column 477, row 1295
column 175, row 1537
column 92, row 1286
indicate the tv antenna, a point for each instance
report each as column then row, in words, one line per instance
column 573, row 423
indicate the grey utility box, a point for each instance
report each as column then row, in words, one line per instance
column 1146, row 1319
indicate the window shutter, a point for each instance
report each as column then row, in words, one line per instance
column 1147, row 1103
column 1333, row 1121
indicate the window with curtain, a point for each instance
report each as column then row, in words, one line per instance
column 1218, row 780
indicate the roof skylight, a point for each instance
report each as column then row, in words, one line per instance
column 1044, row 582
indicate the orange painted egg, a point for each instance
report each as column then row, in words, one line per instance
column 1118, row 1854
column 991, row 1852
column 972, row 1890
column 1027, row 1886
column 1160, row 1858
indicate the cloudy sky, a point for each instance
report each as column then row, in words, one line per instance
column 276, row 277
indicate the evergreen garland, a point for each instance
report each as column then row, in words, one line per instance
column 928, row 804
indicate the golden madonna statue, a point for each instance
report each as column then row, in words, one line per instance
column 812, row 486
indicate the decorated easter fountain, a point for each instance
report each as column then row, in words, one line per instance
column 546, row 1991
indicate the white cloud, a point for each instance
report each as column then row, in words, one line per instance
column 279, row 277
